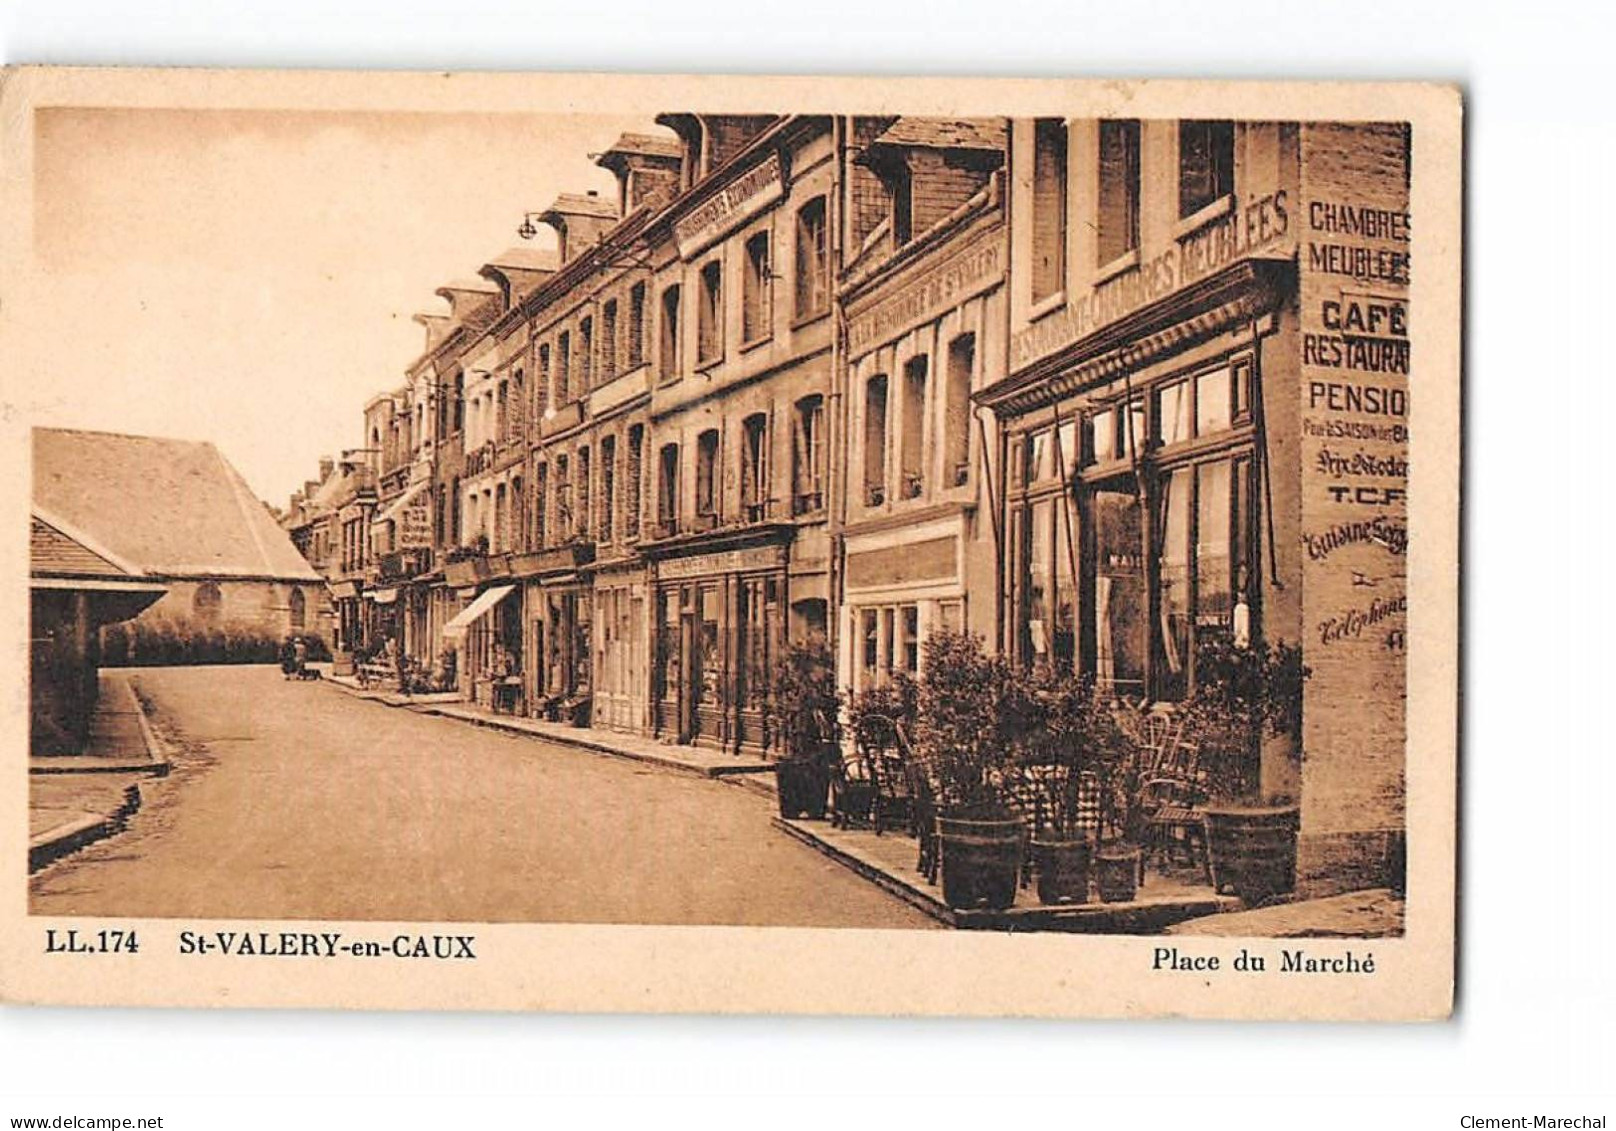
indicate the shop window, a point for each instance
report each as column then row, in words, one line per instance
column 909, row 639
column 1173, row 584
column 1173, row 412
column 1205, row 164
column 1040, row 457
column 913, row 451
column 813, row 268
column 1118, row 203
column 297, row 610
column 951, row 616
column 668, row 490
column 1048, row 208
column 1121, row 596
column 808, row 456
column 608, row 340
column 636, row 326
column 869, row 620
column 889, row 642
column 757, row 304
column 710, row 314
column 633, row 475
column 755, row 467
column 1066, row 448
column 668, row 353
column 707, row 473
column 957, row 411
column 206, row 602
column 608, row 488
column 875, row 441
column 1214, row 403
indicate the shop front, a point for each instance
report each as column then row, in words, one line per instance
column 899, row 587
column 557, row 632
column 490, row 647
column 720, row 627
column 621, row 668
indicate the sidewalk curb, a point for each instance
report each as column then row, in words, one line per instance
column 54, row 843
column 746, row 777
column 913, row 896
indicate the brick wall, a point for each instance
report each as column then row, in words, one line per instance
column 939, row 186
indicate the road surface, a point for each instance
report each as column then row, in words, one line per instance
column 296, row 801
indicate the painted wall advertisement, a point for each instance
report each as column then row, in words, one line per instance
column 1354, row 263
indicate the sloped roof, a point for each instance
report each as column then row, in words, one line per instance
column 582, row 204
column 640, row 145
column 54, row 552
column 527, row 259
column 946, row 133
column 168, row 507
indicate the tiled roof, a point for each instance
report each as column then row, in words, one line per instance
column 527, row 259
column 168, row 507
column 52, row 552
column 946, row 133
column 580, row 204
column 647, row 145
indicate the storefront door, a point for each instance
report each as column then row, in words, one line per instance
column 708, row 663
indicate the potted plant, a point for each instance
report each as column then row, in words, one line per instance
column 966, row 729
column 805, row 703
column 1070, row 741
column 1244, row 696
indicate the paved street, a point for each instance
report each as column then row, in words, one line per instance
column 293, row 800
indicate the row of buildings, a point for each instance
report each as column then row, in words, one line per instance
column 1098, row 390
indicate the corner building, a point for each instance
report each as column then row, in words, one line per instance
column 1204, row 429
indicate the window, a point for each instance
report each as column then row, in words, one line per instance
column 757, row 291
column 888, row 642
column 586, row 356
column 542, row 393
column 1205, row 164
column 755, row 467
column 1048, row 208
column 1173, row 412
column 668, row 359
column 501, row 514
column 608, row 341
column 633, row 474
column 710, row 314
column 636, row 326
column 297, row 609
column 608, row 487
column 1118, row 203
column 813, row 268
column 875, row 441
column 668, row 490
column 957, row 411
column 563, row 509
column 586, row 516
column 541, row 505
column 808, row 456
column 707, row 473
column 903, row 207
column 502, row 421
column 205, row 604
column 457, row 402
column 564, row 369
column 913, row 453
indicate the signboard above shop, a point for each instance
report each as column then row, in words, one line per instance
column 729, row 207
column 1257, row 226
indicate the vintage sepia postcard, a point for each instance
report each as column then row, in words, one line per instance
column 645, row 543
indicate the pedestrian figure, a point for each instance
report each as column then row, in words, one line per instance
column 300, row 657
column 288, row 659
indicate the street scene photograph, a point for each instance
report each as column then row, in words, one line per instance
column 696, row 518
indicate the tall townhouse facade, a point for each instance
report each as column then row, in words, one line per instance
column 925, row 313
column 737, row 509
column 1205, row 431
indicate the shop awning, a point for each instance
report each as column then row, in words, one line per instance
column 464, row 619
column 344, row 590
column 383, row 596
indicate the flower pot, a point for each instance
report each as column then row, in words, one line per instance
column 1116, row 874
column 981, row 862
column 1252, row 850
column 802, row 785
column 1063, row 871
